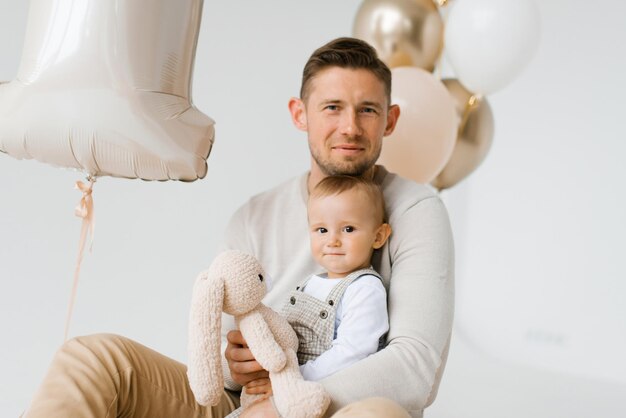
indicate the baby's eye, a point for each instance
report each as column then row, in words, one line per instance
column 322, row 230
column 348, row 229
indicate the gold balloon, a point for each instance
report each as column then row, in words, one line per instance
column 404, row 32
column 474, row 137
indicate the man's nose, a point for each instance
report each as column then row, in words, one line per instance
column 350, row 124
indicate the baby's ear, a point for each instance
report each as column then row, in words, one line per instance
column 382, row 234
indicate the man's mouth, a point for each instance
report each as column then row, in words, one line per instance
column 348, row 149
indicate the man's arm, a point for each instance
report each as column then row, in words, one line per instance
column 421, row 304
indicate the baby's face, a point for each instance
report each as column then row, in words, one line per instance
column 344, row 230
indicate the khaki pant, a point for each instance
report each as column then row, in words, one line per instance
column 108, row 376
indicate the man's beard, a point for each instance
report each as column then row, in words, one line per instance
column 346, row 168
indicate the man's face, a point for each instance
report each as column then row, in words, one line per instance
column 346, row 116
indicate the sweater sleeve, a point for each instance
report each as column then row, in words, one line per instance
column 421, row 304
column 235, row 237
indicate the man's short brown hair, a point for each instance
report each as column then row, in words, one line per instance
column 345, row 53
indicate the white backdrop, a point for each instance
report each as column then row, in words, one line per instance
column 539, row 226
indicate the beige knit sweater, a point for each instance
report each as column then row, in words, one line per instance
column 417, row 264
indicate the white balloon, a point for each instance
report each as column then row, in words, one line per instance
column 489, row 42
column 104, row 87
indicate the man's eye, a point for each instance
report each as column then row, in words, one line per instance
column 348, row 229
column 368, row 110
column 332, row 107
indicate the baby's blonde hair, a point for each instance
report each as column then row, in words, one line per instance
column 334, row 185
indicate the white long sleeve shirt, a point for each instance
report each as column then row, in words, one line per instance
column 360, row 320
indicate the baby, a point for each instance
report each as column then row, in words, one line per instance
column 340, row 316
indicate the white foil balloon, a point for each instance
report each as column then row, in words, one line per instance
column 425, row 134
column 104, row 87
column 489, row 42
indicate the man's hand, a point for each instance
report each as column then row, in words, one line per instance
column 259, row 387
column 243, row 367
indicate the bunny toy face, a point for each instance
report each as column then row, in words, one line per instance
column 244, row 284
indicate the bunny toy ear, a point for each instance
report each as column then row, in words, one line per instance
column 204, row 370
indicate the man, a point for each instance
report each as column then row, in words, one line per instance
column 345, row 109
column 344, row 106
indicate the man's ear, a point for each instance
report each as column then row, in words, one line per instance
column 392, row 118
column 298, row 113
column 382, row 234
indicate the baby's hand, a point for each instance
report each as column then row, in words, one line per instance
column 261, row 386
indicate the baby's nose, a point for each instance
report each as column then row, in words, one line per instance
column 333, row 241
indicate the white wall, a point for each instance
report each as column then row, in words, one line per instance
column 538, row 227
column 540, row 272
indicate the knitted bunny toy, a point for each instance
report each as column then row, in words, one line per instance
column 235, row 284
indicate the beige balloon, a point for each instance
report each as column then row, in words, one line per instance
column 404, row 32
column 424, row 137
column 104, row 87
column 474, row 137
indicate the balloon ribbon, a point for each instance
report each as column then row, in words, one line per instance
column 83, row 210
column 471, row 104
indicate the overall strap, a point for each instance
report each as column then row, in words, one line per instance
column 337, row 292
column 302, row 284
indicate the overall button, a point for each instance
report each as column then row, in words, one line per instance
column 292, row 300
column 323, row 314
column 331, row 302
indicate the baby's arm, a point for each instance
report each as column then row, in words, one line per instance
column 364, row 321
